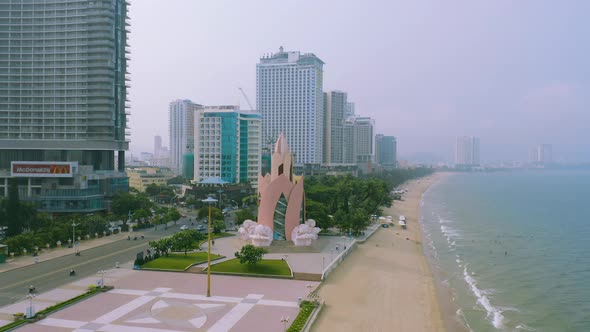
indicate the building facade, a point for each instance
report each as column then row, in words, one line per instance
column 181, row 128
column 63, row 94
column 227, row 144
column 467, row 151
column 386, row 151
column 335, row 104
column 364, row 133
column 289, row 98
column 157, row 146
column 141, row 177
column 544, row 153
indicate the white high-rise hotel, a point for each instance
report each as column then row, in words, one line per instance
column 467, row 151
column 181, row 129
column 289, row 98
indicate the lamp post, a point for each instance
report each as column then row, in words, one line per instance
column 30, row 309
column 209, row 201
column 220, row 192
column 74, row 235
column 101, row 274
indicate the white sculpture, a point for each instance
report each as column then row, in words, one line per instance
column 246, row 229
column 260, row 235
column 303, row 234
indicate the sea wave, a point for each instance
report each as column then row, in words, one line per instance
column 493, row 314
column 450, row 232
column 525, row 327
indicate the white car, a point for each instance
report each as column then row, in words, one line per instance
column 183, row 227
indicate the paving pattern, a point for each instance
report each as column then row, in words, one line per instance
column 146, row 301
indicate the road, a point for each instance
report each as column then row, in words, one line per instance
column 51, row 274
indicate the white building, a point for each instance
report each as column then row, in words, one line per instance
column 181, row 120
column 467, row 151
column 335, row 105
column 228, row 144
column 544, row 153
column 289, row 98
column 358, row 140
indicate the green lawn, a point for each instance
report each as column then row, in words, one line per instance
column 266, row 266
column 178, row 262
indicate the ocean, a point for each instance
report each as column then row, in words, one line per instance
column 512, row 249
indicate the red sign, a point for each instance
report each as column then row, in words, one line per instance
column 42, row 169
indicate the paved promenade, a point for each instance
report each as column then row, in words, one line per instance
column 147, row 301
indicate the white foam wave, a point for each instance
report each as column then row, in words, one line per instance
column 445, row 221
column 493, row 314
column 449, row 232
column 524, row 327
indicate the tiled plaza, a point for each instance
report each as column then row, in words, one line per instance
column 150, row 301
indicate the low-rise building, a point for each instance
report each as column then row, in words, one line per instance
column 141, row 177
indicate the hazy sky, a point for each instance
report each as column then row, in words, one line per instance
column 514, row 73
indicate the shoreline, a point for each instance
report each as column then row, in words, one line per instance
column 387, row 283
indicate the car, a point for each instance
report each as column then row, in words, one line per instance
column 184, row 216
column 385, row 225
column 183, row 227
column 201, row 228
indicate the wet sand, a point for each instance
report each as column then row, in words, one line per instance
column 386, row 284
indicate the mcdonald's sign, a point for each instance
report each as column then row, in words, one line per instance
column 42, row 169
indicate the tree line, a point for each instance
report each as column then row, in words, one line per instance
column 348, row 202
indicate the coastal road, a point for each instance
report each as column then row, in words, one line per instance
column 53, row 273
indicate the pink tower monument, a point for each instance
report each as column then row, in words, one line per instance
column 280, row 193
column 280, row 204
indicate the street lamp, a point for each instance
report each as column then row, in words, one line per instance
column 220, row 192
column 74, row 235
column 209, row 201
column 101, row 274
column 285, row 320
column 30, row 309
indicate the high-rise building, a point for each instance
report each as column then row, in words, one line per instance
column 544, row 153
column 63, row 96
column 386, row 151
column 227, row 144
column 358, row 136
column 349, row 110
column 335, row 104
column 364, row 134
column 181, row 123
column 157, row 146
column 467, row 151
column 289, row 98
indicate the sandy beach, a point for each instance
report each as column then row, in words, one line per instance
column 386, row 284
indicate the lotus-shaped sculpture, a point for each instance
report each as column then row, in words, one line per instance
column 304, row 234
column 260, row 235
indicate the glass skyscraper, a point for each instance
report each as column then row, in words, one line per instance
column 290, row 99
column 63, row 95
column 227, row 144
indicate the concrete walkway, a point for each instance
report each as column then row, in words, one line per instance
column 326, row 250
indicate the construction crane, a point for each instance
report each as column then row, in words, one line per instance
column 246, row 97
